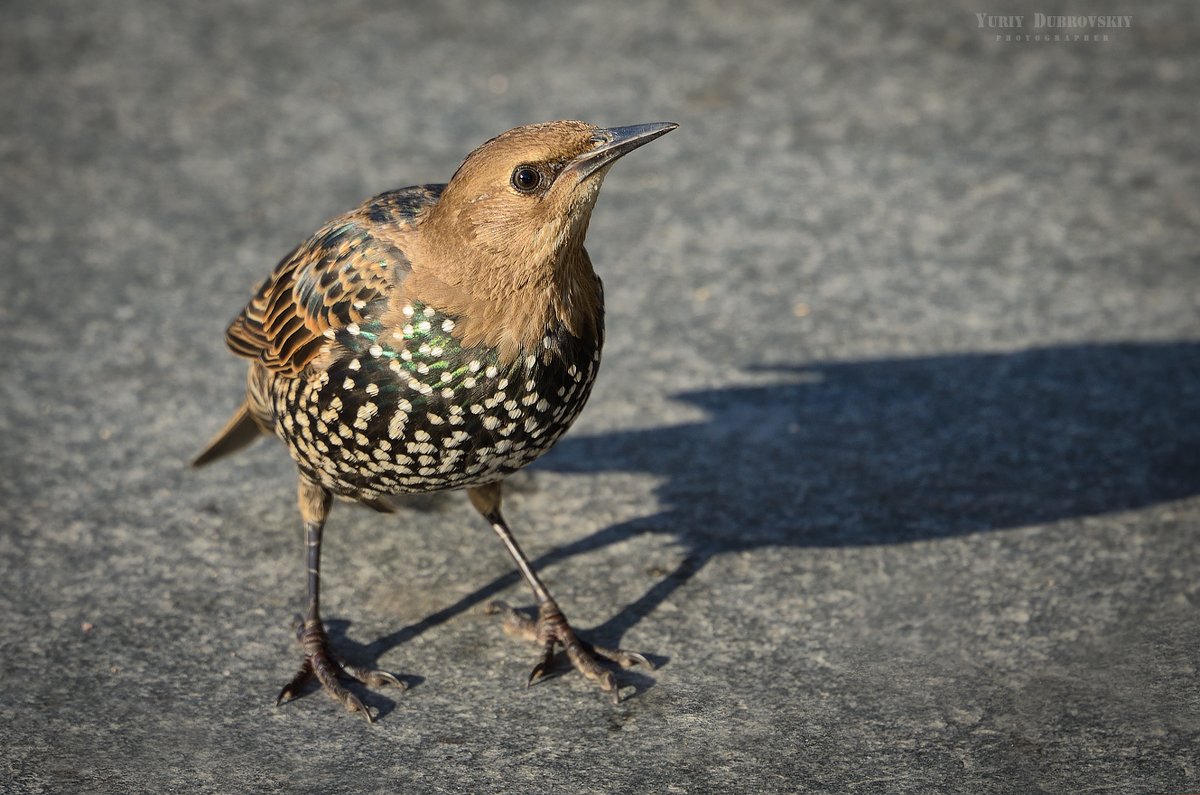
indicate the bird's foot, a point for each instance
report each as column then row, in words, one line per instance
column 322, row 663
column 550, row 629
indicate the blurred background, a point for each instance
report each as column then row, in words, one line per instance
column 891, row 463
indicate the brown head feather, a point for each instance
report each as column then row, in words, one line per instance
column 509, row 261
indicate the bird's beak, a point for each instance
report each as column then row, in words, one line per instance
column 614, row 142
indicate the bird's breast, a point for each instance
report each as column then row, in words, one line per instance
column 406, row 408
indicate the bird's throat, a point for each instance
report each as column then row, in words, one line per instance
column 510, row 305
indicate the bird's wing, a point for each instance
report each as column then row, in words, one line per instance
column 327, row 282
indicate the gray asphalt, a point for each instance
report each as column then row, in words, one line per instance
column 891, row 466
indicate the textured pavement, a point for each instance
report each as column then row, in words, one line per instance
column 892, row 464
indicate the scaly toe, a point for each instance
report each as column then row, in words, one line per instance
column 623, row 658
column 373, row 677
column 542, row 669
column 292, row 688
column 354, row 704
column 516, row 624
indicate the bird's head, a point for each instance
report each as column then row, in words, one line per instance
column 527, row 193
column 508, row 229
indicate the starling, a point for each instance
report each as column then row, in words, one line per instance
column 437, row 337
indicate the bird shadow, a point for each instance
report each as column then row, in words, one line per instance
column 889, row 451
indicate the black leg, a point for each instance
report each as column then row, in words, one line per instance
column 319, row 661
column 551, row 627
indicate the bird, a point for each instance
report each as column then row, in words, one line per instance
column 437, row 337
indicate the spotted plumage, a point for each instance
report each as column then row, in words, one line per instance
column 411, row 410
column 437, row 337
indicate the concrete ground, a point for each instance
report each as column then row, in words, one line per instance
column 892, row 463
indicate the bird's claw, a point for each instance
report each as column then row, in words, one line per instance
column 372, row 677
column 542, row 669
column 292, row 688
column 322, row 664
column 623, row 658
column 551, row 629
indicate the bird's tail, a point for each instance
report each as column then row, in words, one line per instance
column 239, row 432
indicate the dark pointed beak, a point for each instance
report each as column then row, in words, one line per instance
column 613, row 143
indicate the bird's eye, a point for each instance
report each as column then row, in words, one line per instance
column 526, row 179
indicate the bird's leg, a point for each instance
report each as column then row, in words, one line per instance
column 551, row 627
column 319, row 660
